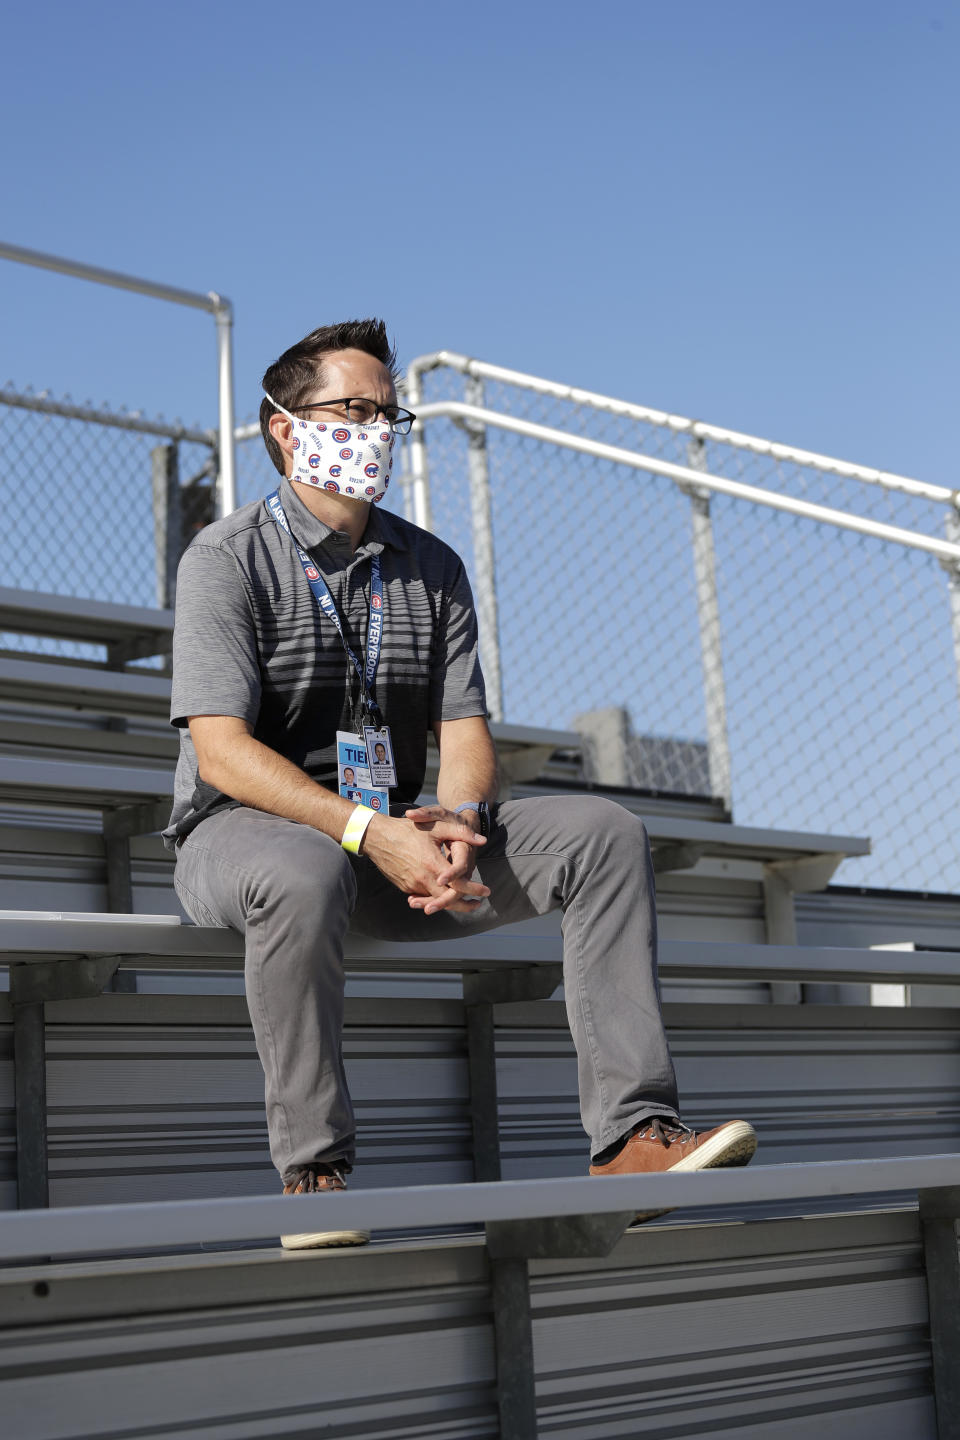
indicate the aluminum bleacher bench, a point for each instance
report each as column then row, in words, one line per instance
column 54, row 959
column 129, row 632
column 136, row 799
column 555, row 1318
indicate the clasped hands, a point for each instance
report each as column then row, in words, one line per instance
column 430, row 854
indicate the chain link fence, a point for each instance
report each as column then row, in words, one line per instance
column 833, row 674
column 90, row 494
column 836, row 677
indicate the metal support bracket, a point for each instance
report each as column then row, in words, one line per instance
column 503, row 987
column 510, row 1246
column 676, row 857
column 782, row 879
column 119, row 825
column 481, row 991
column 513, row 1346
column 563, row 1237
column 138, row 647
column 30, row 986
column 939, row 1212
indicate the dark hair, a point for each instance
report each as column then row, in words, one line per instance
column 291, row 378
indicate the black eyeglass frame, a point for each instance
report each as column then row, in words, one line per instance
column 402, row 417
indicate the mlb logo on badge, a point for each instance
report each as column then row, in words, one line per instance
column 311, row 572
column 376, row 602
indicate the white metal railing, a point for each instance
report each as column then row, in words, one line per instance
column 216, row 305
column 700, row 462
column 701, row 479
column 696, row 429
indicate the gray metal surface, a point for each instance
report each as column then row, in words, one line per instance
column 161, row 1095
column 98, row 621
column 91, row 786
column 23, row 940
column 809, row 1329
column 45, row 682
column 105, row 1229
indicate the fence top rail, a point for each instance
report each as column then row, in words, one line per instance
column 693, row 480
column 46, row 404
column 213, row 303
column 77, row 1230
column 696, row 429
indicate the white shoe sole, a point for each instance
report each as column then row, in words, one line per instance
column 324, row 1238
column 736, row 1144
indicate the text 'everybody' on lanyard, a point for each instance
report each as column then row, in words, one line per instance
column 367, row 671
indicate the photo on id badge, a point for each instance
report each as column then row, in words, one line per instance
column 353, row 774
column 380, row 756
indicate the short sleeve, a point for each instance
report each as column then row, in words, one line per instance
column 456, row 681
column 216, row 667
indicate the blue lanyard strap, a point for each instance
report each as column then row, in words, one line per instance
column 321, row 593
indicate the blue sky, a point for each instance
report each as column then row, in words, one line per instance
column 743, row 211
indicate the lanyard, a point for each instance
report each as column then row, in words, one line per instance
column 368, row 671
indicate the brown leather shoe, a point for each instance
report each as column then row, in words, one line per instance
column 310, row 1180
column 661, row 1144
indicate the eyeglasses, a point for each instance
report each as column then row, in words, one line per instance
column 361, row 411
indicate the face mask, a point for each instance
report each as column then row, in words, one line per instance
column 345, row 459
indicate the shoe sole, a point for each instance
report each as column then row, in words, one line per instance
column 735, row 1145
column 324, row 1239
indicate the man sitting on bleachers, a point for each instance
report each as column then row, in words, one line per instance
column 318, row 639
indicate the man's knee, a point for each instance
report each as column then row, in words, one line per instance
column 306, row 871
column 605, row 823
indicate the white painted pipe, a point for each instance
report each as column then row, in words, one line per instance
column 869, row 475
column 943, row 549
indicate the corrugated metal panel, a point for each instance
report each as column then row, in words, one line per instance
column 162, row 1096
column 818, row 1082
column 377, row 1362
column 797, row 1329
column 792, row 1329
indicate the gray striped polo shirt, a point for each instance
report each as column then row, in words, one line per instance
column 250, row 641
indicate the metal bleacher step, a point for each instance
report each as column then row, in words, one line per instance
column 129, row 632
column 553, row 1319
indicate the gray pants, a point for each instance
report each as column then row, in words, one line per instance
column 294, row 894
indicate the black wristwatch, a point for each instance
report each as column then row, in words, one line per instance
column 483, row 812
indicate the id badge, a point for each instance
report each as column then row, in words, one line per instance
column 353, row 774
column 379, row 748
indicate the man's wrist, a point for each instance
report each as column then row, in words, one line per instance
column 476, row 814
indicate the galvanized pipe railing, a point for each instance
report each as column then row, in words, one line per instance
column 216, row 305
column 696, row 429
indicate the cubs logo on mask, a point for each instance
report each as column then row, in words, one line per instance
column 360, row 461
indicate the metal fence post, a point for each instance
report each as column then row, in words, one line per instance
column 708, row 612
column 415, row 473
column 953, row 581
column 167, row 520
column 484, row 567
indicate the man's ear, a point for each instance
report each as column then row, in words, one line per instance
column 282, row 431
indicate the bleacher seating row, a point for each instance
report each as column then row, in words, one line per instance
column 162, row 1304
